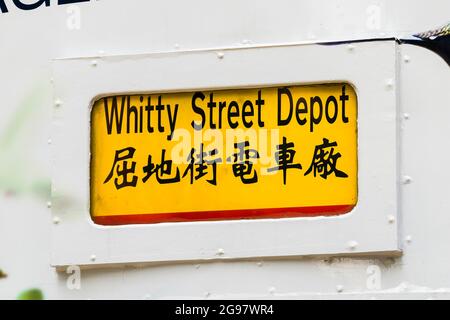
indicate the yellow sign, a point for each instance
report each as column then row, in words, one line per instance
column 267, row 152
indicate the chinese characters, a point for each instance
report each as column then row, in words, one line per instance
column 202, row 164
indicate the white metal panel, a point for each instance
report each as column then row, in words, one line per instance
column 370, row 227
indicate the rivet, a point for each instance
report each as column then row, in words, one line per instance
column 220, row 252
column 272, row 290
column 207, row 294
column 408, row 239
column 94, row 63
column 49, row 141
column 259, row 264
column 49, row 204
column 407, row 180
column 220, row 55
column 58, row 102
column 147, row 296
column 339, row 288
column 245, row 41
column 197, row 266
column 406, row 58
column 391, row 219
column 56, row 220
column 101, row 52
column 350, row 47
column 352, row 244
column 176, row 46
column 406, row 116
column 389, row 83
column 93, row 257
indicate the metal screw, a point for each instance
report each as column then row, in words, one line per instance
column 49, row 204
column 406, row 116
column 56, row 220
column 58, row 102
column 220, row 252
column 94, row 63
column 339, row 288
column 93, row 257
column 391, row 219
column 220, row 55
column 406, row 58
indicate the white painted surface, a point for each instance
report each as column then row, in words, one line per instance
column 30, row 40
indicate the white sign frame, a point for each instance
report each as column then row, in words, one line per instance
column 371, row 227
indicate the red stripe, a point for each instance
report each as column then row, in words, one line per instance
column 223, row 215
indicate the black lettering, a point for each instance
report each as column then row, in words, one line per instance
column 233, row 114
column 222, row 105
column 131, row 110
column 299, row 110
column 114, row 116
column 141, row 115
column 260, row 103
column 283, row 122
column 3, row 6
column 149, row 107
column 344, row 98
column 211, row 105
column 198, row 110
column 245, row 113
column 331, row 99
column 314, row 120
column 172, row 120
column 60, row 2
column 160, row 108
column 31, row 6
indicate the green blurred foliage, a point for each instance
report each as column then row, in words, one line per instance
column 31, row 294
